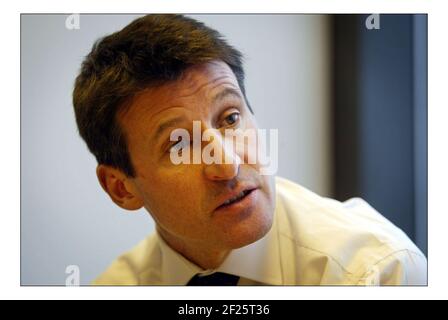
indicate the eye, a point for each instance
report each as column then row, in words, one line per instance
column 232, row 119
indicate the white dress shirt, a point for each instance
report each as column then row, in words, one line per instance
column 313, row 241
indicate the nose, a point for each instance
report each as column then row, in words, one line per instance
column 228, row 167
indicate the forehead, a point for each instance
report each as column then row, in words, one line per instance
column 202, row 79
column 198, row 82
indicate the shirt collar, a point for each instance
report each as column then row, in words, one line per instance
column 259, row 261
column 175, row 269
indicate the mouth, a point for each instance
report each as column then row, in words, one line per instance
column 238, row 198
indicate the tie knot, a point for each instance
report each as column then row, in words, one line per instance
column 215, row 279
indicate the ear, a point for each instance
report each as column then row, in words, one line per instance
column 119, row 187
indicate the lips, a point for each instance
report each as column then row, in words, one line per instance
column 236, row 197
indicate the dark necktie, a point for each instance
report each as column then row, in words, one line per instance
column 215, row 279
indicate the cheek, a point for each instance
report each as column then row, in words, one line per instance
column 173, row 196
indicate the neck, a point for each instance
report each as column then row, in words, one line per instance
column 206, row 257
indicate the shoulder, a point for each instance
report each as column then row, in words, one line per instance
column 347, row 242
column 134, row 267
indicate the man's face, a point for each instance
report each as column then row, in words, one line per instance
column 186, row 200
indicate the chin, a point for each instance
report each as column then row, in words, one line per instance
column 250, row 231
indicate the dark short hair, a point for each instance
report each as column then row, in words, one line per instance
column 151, row 51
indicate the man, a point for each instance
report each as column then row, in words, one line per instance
column 217, row 223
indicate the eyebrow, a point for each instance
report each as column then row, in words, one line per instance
column 225, row 93
column 166, row 125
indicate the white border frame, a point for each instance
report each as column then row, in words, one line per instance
column 10, row 133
